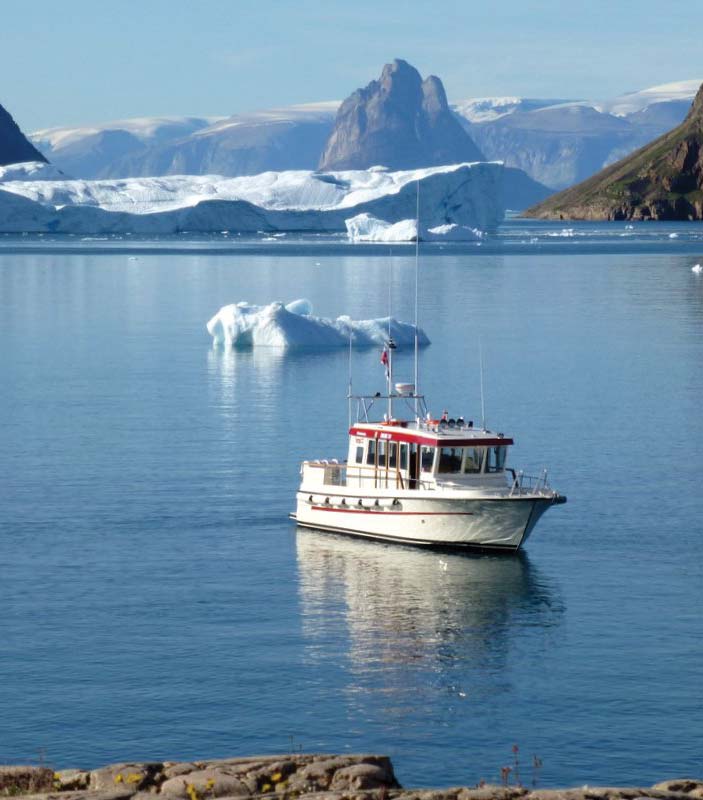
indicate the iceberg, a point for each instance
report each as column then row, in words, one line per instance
column 468, row 195
column 293, row 326
column 365, row 228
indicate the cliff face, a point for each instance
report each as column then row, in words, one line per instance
column 663, row 180
column 400, row 122
column 14, row 146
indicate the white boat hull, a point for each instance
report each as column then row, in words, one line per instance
column 502, row 522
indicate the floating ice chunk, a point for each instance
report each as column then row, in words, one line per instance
column 673, row 236
column 293, row 326
column 697, row 268
column 365, row 228
column 453, row 233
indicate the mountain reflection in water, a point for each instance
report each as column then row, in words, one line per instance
column 418, row 621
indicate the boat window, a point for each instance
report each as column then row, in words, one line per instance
column 403, row 456
column 359, row 454
column 382, row 448
column 371, row 452
column 392, row 454
column 449, row 459
column 427, row 458
column 496, row 459
column 473, row 459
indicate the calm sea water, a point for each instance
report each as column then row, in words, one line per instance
column 157, row 602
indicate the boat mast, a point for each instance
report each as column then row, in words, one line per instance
column 389, row 366
column 349, row 393
column 483, row 403
column 417, row 262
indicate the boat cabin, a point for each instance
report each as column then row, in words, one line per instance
column 405, row 455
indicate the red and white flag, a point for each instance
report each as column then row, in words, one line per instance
column 384, row 357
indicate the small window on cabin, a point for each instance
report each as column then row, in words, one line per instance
column 496, row 459
column 392, row 455
column 449, row 459
column 403, row 456
column 371, row 452
column 382, row 450
column 473, row 459
column 427, row 458
column 359, row 454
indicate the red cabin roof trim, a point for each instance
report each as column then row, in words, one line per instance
column 432, row 440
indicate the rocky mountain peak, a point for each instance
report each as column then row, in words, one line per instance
column 398, row 121
column 696, row 112
column 14, row 145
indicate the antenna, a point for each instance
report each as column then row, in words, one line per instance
column 390, row 288
column 417, row 273
column 483, row 404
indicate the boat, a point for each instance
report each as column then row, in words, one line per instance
column 423, row 481
column 418, row 479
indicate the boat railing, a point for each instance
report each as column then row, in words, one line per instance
column 365, row 476
column 529, row 484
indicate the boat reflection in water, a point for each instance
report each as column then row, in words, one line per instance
column 419, row 620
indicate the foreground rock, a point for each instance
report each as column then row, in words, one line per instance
column 328, row 777
column 662, row 181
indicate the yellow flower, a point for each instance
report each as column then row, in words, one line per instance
column 119, row 778
column 134, row 777
column 266, row 787
column 192, row 791
column 211, row 783
column 276, row 777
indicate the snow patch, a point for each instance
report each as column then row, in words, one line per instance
column 31, row 171
column 293, row 326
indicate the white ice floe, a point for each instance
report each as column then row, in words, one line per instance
column 673, row 236
column 366, row 228
column 697, row 268
column 467, row 195
column 293, row 326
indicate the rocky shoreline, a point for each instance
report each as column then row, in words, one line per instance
column 284, row 777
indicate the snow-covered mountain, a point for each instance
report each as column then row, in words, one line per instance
column 468, row 195
column 556, row 142
column 243, row 144
column 487, row 109
column 559, row 143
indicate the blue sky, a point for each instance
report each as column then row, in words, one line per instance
column 82, row 61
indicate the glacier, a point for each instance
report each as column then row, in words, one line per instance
column 293, row 326
column 36, row 200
